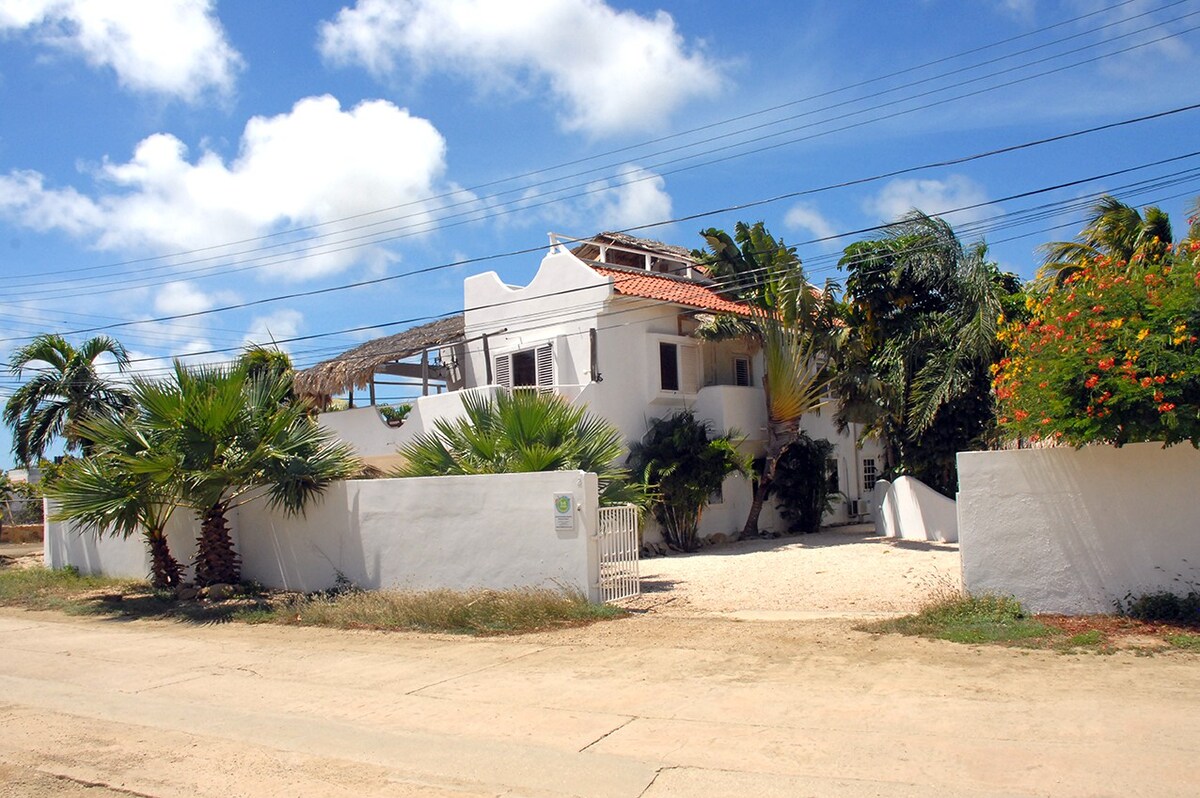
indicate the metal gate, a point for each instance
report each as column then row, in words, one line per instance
column 617, row 542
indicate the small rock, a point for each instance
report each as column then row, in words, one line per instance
column 219, row 591
column 717, row 538
column 187, row 593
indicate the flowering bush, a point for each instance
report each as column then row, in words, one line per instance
column 1109, row 356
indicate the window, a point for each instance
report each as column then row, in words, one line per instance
column 668, row 366
column 869, row 473
column 831, row 474
column 527, row 368
column 524, row 368
column 717, row 496
column 741, row 371
column 678, row 366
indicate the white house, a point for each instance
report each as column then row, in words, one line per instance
column 607, row 323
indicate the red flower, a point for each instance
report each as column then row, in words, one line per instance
column 1107, row 363
column 1091, row 381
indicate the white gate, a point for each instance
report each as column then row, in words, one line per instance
column 617, row 542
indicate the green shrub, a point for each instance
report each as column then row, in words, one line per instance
column 1163, row 606
column 801, row 486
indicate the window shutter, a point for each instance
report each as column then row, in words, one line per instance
column 503, row 371
column 741, row 371
column 545, row 367
column 689, row 369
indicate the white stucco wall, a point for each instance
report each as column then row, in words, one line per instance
column 437, row 532
column 1074, row 531
column 909, row 509
column 125, row 558
column 376, row 442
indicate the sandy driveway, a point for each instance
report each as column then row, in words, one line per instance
column 842, row 572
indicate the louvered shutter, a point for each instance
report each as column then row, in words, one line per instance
column 503, row 371
column 545, row 368
column 689, row 369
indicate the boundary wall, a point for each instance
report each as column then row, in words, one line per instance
column 497, row 531
column 909, row 509
column 1077, row 530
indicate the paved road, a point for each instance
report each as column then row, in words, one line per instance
column 649, row 706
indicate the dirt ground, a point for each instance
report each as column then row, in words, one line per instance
column 740, row 673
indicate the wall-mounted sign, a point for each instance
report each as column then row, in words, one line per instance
column 564, row 511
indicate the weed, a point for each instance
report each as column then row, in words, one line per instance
column 962, row 618
column 344, row 607
column 1187, row 642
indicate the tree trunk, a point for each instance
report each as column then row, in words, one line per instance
column 778, row 440
column 216, row 561
column 750, row 530
column 164, row 568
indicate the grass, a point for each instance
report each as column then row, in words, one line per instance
column 470, row 612
column 479, row 612
column 968, row 619
column 951, row 615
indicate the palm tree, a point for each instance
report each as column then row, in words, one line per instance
column 68, row 391
column 794, row 324
column 923, row 312
column 519, row 432
column 1114, row 230
column 231, row 439
column 123, row 489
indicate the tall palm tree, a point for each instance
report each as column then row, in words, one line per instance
column 61, row 395
column 519, row 432
column 1114, row 230
column 231, row 439
column 794, row 324
column 923, row 312
column 127, row 486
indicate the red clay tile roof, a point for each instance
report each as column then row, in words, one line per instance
column 680, row 292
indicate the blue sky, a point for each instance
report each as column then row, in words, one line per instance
column 178, row 156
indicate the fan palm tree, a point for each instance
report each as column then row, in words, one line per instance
column 231, row 439
column 794, row 324
column 127, row 486
column 63, row 394
column 519, row 432
column 1114, row 230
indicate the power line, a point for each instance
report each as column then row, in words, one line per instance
column 405, row 231
column 727, row 209
column 673, row 136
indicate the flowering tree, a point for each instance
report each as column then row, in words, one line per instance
column 1110, row 354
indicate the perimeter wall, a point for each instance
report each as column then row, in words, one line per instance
column 1076, row 531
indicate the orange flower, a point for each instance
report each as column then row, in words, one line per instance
column 1091, row 381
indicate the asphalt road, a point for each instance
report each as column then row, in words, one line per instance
column 649, row 706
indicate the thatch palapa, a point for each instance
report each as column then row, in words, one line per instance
column 356, row 367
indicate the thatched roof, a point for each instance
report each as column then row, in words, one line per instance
column 354, row 369
column 590, row 250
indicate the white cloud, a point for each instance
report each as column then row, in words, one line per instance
column 313, row 164
column 181, row 297
column 174, row 47
column 934, row 197
column 613, row 71
column 634, row 197
column 805, row 217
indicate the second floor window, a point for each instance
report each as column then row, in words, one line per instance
column 668, row 366
column 741, row 371
column 870, row 475
column 527, row 368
